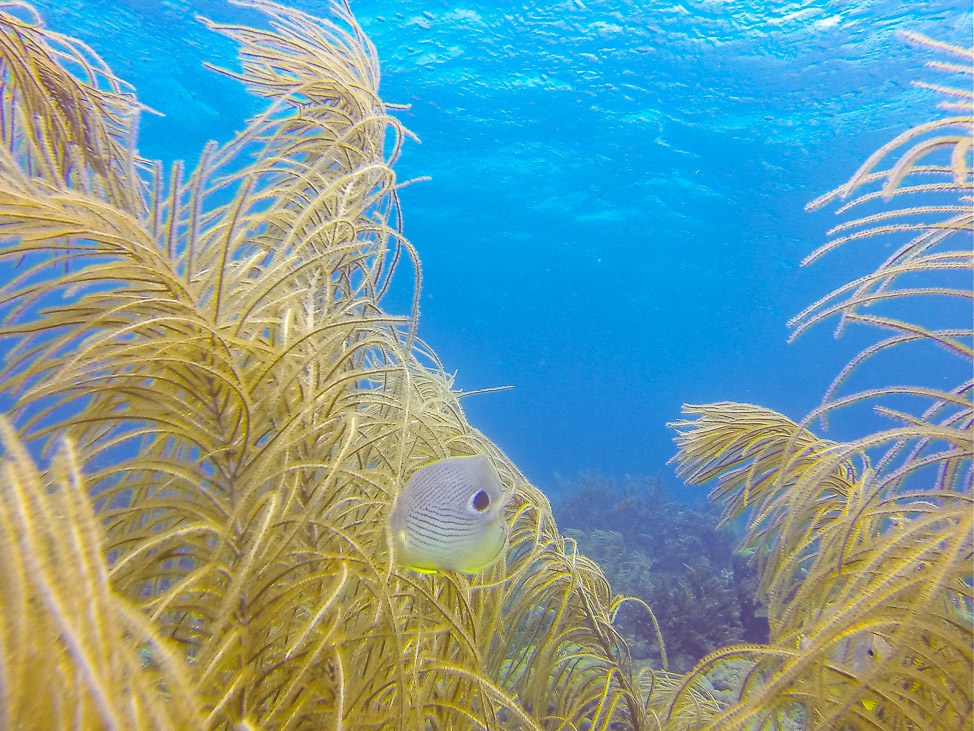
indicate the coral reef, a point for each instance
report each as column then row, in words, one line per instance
column 231, row 413
column 671, row 556
column 212, row 344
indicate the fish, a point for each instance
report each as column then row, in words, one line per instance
column 449, row 516
column 856, row 654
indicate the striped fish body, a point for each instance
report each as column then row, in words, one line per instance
column 449, row 516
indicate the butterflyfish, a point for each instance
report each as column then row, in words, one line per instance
column 449, row 516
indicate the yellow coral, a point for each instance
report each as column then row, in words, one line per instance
column 221, row 362
column 246, row 408
column 865, row 546
column 74, row 655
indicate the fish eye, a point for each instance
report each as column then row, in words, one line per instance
column 480, row 501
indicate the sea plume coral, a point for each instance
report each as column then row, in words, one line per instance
column 72, row 653
column 212, row 343
column 865, row 547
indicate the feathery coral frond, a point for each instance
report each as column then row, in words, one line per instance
column 248, row 410
column 865, row 547
column 64, row 117
column 871, row 581
column 73, row 653
column 931, row 231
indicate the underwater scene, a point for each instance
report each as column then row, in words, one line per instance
column 521, row 366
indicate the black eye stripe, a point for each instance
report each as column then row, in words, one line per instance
column 480, row 501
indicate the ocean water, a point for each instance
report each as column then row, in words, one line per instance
column 614, row 219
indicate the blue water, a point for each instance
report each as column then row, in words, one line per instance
column 615, row 215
